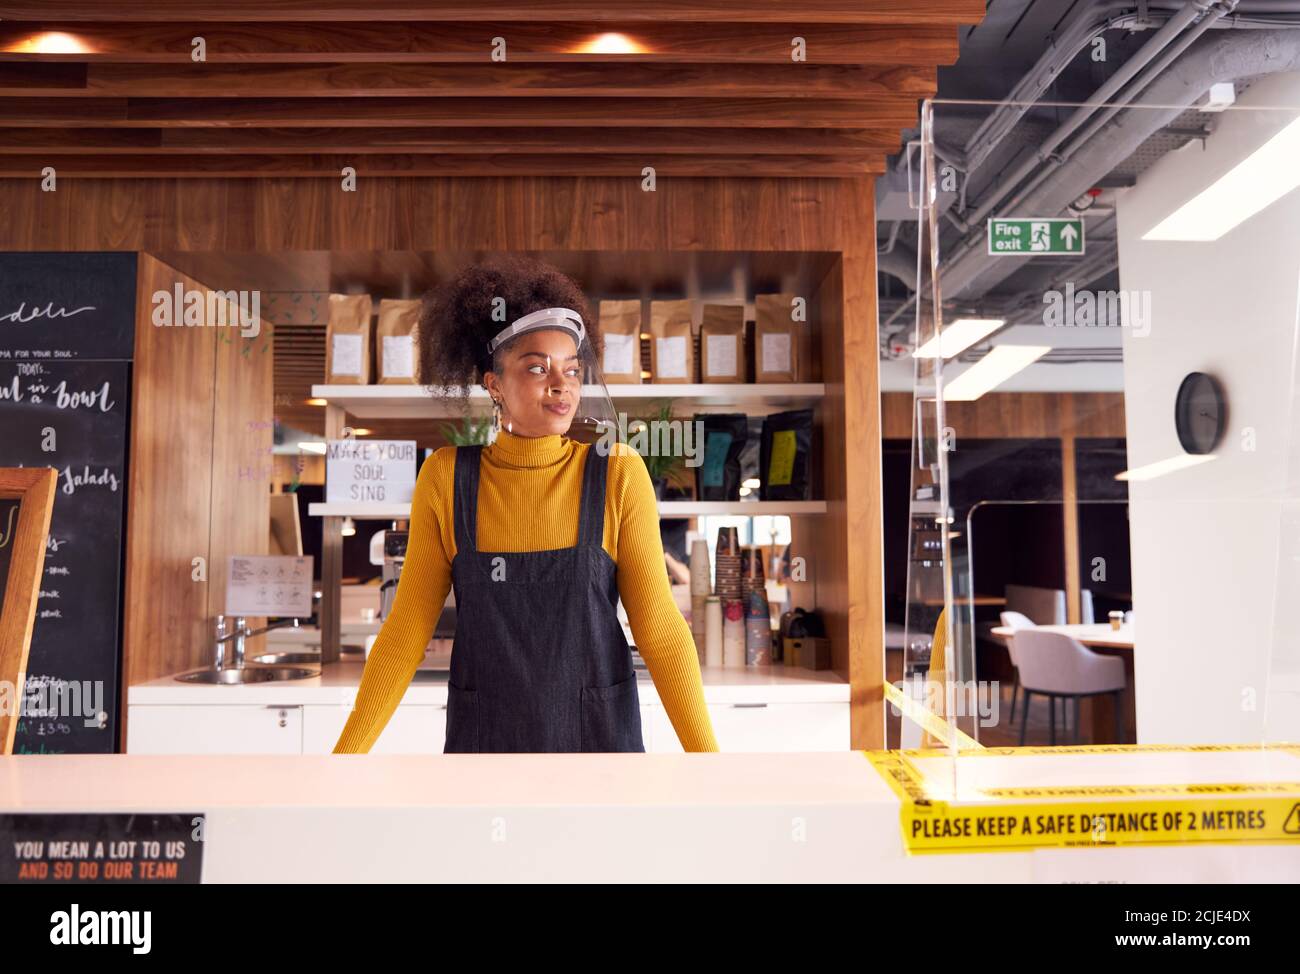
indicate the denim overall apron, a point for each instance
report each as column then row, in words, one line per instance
column 539, row 662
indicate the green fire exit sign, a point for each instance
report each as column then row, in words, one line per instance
column 1048, row 235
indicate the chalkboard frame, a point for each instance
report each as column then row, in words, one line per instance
column 33, row 487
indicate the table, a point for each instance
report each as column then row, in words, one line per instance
column 1097, row 714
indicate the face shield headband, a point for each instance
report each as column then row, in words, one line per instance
column 564, row 318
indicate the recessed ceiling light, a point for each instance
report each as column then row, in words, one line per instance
column 1151, row 471
column 51, row 42
column 992, row 370
column 318, row 402
column 611, row 43
column 1262, row 178
column 959, row 336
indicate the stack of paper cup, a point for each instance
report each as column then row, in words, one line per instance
column 701, row 589
column 727, row 574
column 713, row 631
column 733, row 633
column 758, row 622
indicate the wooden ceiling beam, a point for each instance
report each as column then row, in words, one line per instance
column 34, row 141
column 236, row 166
column 277, row 43
column 949, row 12
column 518, row 80
column 888, row 113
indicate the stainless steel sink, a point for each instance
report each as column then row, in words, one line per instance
column 281, row 659
column 234, row 676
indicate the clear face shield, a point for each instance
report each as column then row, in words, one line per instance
column 547, row 379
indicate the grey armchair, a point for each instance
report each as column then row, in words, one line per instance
column 1055, row 665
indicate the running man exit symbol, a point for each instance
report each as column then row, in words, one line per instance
column 1045, row 235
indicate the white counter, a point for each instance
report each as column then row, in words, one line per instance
column 338, row 681
column 591, row 817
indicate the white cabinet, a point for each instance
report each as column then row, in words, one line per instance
column 411, row 730
column 766, row 727
column 421, row 728
column 215, row 729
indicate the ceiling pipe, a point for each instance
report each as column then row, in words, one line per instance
column 1216, row 58
column 1148, row 53
column 1083, row 27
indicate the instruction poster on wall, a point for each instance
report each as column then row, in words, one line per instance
column 269, row 585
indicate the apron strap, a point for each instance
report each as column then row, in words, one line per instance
column 591, row 521
column 465, row 497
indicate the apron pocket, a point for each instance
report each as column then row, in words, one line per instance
column 462, row 720
column 611, row 718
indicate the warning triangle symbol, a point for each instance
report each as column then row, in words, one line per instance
column 1292, row 824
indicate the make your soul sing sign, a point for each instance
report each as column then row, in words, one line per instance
column 378, row 471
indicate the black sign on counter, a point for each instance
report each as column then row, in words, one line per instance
column 101, row 847
column 66, row 339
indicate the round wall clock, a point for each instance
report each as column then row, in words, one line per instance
column 1200, row 413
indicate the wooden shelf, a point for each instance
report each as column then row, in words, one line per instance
column 412, row 401
column 387, row 512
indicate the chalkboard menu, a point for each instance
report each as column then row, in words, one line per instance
column 66, row 339
column 8, row 528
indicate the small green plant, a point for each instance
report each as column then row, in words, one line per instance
column 663, row 467
column 469, row 432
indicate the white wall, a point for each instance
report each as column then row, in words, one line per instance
column 1216, row 548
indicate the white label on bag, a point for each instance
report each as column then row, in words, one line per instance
column 398, row 357
column 720, row 355
column 670, row 357
column 346, row 355
column 776, row 352
column 618, row 354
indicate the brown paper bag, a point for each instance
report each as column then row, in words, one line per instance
column 672, row 343
column 396, row 354
column 778, row 343
column 347, row 340
column 722, row 344
column 620, row 330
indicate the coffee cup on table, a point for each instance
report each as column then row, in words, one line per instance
column 1116, row 619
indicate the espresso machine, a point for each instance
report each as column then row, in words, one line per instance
column 388, row 551
column 391, row 561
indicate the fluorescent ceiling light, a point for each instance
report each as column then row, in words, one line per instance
column 311, row 446
column 1161, row 467
column 1264, row 176
column 992, row 370
column 959, row 336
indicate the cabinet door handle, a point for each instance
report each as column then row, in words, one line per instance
column 740, row 706
column 284, row 711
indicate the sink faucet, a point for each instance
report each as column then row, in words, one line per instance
column 240, row 633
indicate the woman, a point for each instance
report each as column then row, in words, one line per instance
column 540, row 535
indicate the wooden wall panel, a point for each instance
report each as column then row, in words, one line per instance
column 604, row 213
column 201, row 400
column 1017, row 414
column 169, row 506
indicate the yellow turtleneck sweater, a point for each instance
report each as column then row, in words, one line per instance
column 529, row 492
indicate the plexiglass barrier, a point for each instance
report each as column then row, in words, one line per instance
column 1100, row 339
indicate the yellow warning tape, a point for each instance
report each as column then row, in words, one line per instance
column 1091, row 816
column 929, row 721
